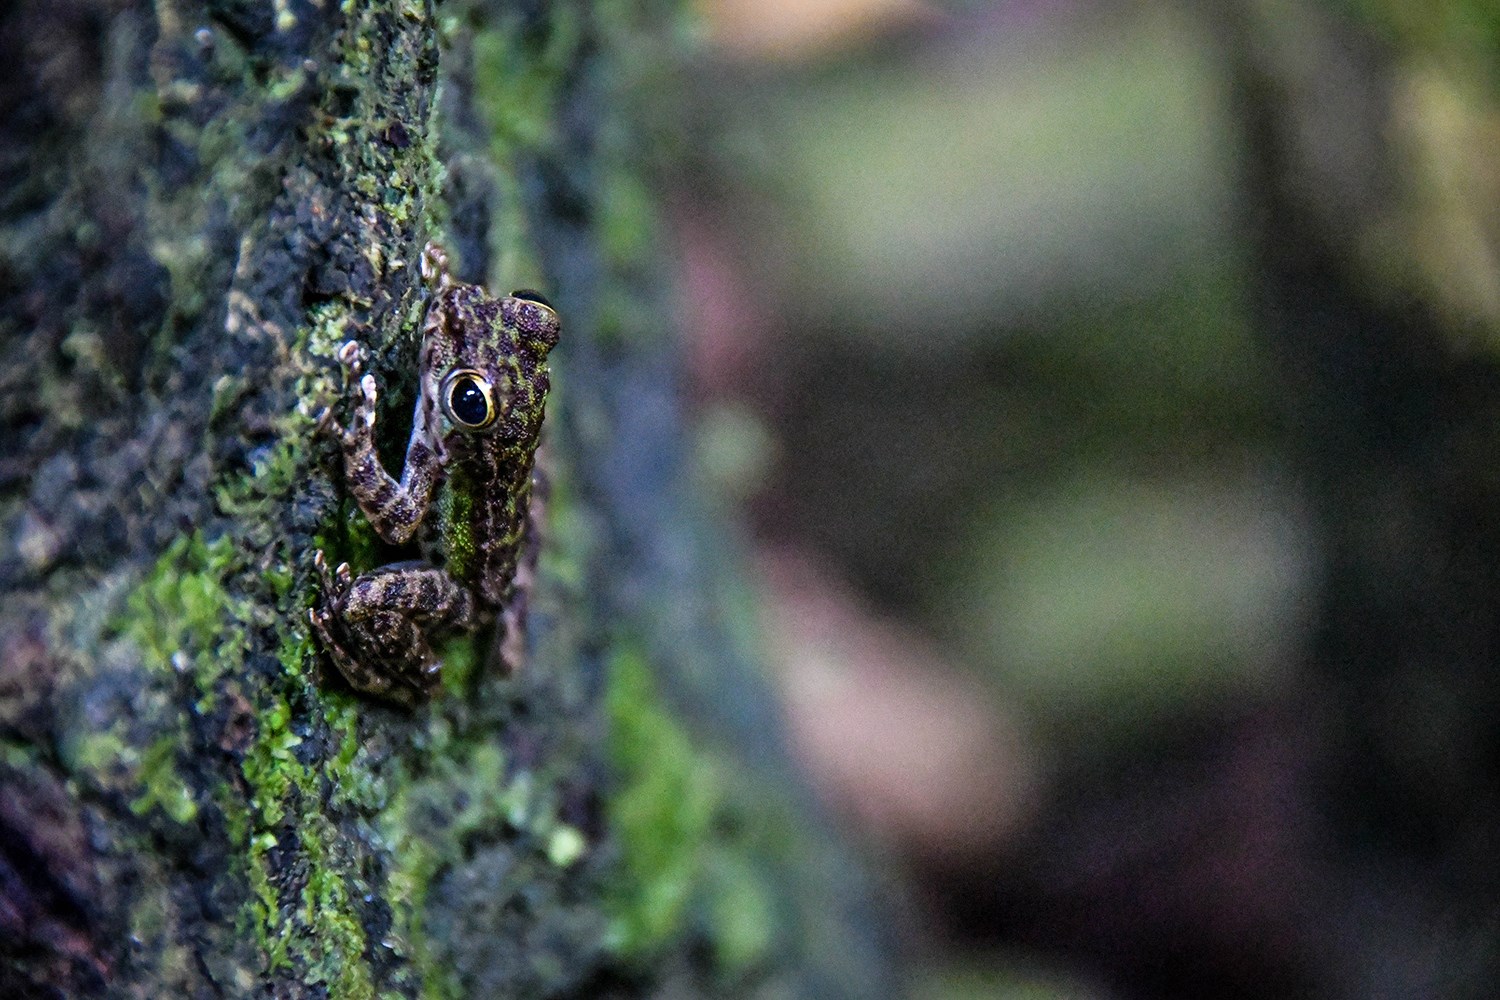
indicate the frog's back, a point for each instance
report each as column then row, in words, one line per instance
column 481, row 524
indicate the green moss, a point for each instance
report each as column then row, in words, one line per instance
column 181, row 617
column 353, row 784
column 460, row 657
column 258, row 916
column 152, row 918
column 469, row 796
column 336, row 936
column 660, row 814
column 181, row 620
column 270, row 768
column 628, row 221
column 273, row 473
column 740, row 910
column 517, row 82
column 566, row 846
column 21, row 756
column 97, row 750
column 405, row 184
column 426, row 826
column 691, row 853
column 164, row 787
column 318, row 931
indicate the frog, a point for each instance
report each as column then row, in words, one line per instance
column 465, row 491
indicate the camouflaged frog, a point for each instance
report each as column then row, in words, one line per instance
column 464, row 492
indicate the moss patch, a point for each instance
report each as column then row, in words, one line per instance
column 661, row 814
column 183, row 619
column 309, row 923
column 469, row 802
column 692, row 859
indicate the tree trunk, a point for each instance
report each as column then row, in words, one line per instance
column 201, row 201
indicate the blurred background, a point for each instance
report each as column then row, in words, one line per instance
column 1111, row 391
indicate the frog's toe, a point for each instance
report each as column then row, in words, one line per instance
column 435, row 264
column 319, row 620
column 371, row 396
column 330, row 582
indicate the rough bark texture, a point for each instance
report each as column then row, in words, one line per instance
column 200, row 201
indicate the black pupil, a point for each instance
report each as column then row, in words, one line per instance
column 468, row 402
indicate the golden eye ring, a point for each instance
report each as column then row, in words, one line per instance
column 469, row 399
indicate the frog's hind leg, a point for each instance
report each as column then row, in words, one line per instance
column 407, row 688
column 334, row 585
column 397, row 640
column 399, row 609
column 417, row 592
column 377, row 628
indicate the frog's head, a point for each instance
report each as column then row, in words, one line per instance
column 484, row 366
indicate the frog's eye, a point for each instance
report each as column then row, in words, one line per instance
column 537, row 325
column 469, row 399
column 531, row 295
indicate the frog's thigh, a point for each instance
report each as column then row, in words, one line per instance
column 421, row 594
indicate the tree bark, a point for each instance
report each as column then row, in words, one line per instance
column 200, row 201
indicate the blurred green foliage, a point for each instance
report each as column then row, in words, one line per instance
column 1031, row 240
column 1065, row 307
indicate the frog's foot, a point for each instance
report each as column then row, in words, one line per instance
column 322, row 626
column 361, row 429
column 323, row 618
column 352, row 358
column 352, row 361
column 378, row 626
column 435, row 267
column 406, row 691
column 334, row 584
column 352, row 365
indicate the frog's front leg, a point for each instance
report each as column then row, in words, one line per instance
column 379, row 627
column 394, row 507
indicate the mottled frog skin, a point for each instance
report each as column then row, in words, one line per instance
column 464, row 492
